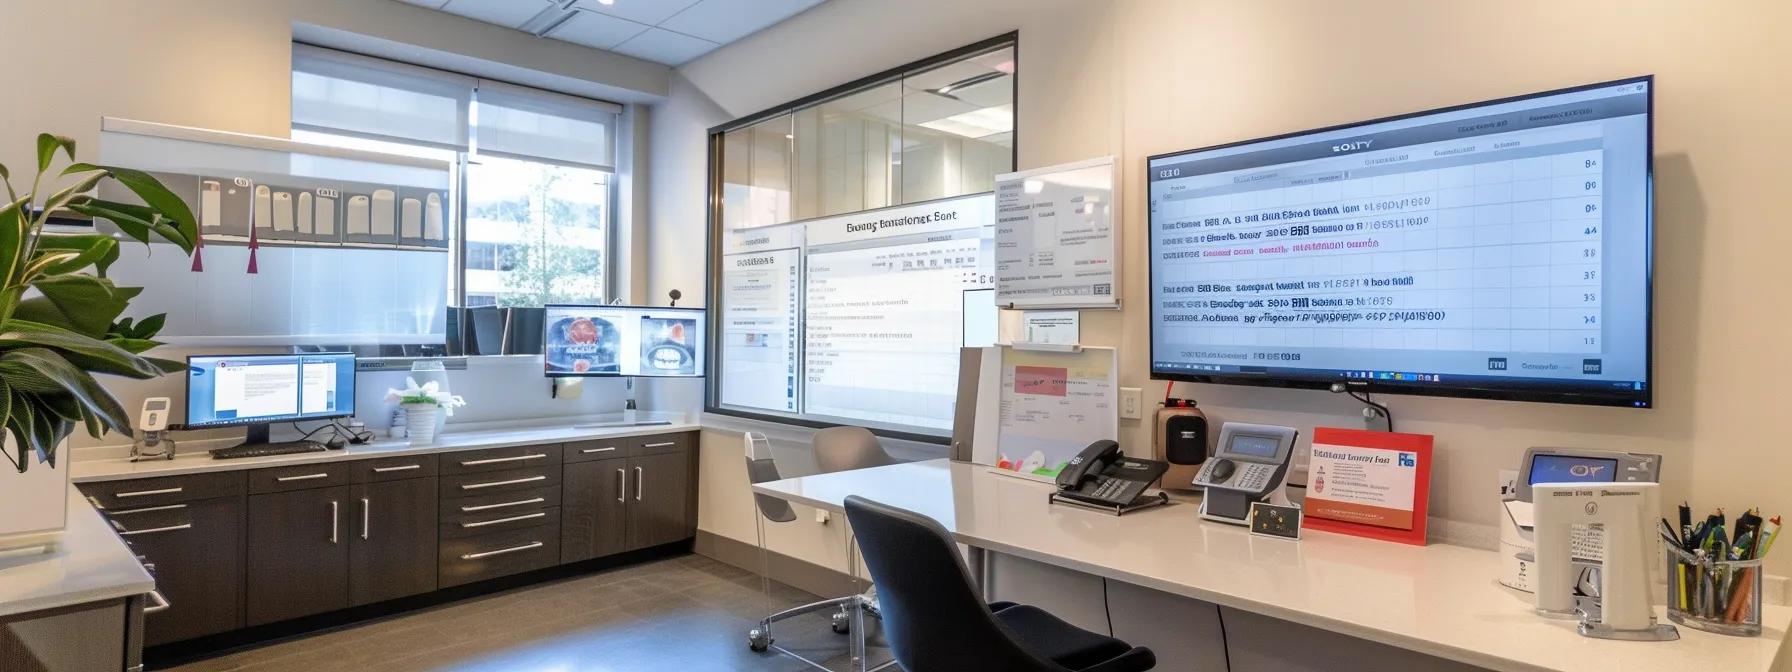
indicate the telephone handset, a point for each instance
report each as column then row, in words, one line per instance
column 1102, row 475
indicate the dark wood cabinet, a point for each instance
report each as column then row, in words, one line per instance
column 594, row 518
column 392, row 551
column 298, row 553
column 658, row 514
column 195, row 550
column 617, row 505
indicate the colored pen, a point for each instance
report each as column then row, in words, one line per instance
column 1772, row 533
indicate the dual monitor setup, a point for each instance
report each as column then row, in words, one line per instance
column 258, row 391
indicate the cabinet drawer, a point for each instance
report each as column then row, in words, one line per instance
column 145, row 492
column 392, row 469
column 298, row 477
column 496, row 482
column 500, row 502
column 488, row 556
column 501, row 459
column 195, row 549
column 489, row 522
column 600, row 449
column 662, row 443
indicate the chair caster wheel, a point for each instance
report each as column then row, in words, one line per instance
column 758, row 641
column 842, row 624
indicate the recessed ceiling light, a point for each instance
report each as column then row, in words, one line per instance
column 606, row 2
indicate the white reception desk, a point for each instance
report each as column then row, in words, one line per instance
column 1441, row 601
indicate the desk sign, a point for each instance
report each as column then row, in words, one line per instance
column 1370, row 484
column 1269, row 520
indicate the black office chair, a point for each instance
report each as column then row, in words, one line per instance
column 935, row 622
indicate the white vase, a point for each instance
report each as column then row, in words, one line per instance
column 35, row 502
column 420, row 423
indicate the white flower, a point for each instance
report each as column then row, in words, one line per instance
column 430, row 390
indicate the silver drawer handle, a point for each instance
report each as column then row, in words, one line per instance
column 306, row 477
column 153, row 530
column 126, row 512
column 500, row 521
column 497, row 460
column 387, row 470
column 638, row 485
column 525, row 547
column 147, row 493
column 589, row 451
column 661, row 444
column 488, row 507
column 161, row 603
column 621, row 485
column 493, row 484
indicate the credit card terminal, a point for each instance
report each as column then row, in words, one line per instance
column 1249, row 464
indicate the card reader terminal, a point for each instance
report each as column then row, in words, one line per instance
column 1249, row 464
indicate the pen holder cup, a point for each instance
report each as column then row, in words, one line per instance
column 1722, row 596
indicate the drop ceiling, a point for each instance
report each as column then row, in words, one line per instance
column 672, row 32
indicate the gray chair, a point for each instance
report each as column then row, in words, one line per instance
column 835, row 449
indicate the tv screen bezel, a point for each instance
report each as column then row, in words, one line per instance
column 547, row 309
column 1530, row 390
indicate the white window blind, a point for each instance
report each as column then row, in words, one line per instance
column 339, row 92
column 531, row 124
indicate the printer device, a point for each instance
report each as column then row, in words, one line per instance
column 1562, row 465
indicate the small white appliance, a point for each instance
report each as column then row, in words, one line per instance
column 1557, row 465
column 1626, row 513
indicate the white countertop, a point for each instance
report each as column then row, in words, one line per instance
column 89, row 564
column 199, row 461
column 1441, row 600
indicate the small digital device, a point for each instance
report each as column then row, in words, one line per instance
column 1249, row 464
column 1102, row 476
column 1181, row 440
column 258, row 390
column 154, row 417
column 1543, row 466
column 595, row 340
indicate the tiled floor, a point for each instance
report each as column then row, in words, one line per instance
column 686, row 613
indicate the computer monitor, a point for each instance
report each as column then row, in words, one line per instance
column 259, row 390
column 600, row 341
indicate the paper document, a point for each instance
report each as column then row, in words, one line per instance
column 282, row 211
column 384, row 206
column 1056, row 239
column 1054, row 404
column 264, row 207
column 356, row 219
column 410, row 219
column 305, row 212
column 432, row 218
column 326, row 216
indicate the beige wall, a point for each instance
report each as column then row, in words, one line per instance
column 1138, row 77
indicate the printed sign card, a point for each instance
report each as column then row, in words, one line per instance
column 1370, row 484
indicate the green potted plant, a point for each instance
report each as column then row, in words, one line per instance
column 61, row 323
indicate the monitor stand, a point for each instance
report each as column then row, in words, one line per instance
column 258, row 435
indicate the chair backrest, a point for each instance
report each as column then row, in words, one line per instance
column 848, row 448
column 761, row 469
column 933, row 618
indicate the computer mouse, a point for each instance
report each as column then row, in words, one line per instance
column 336, row 442
column 1222, row 470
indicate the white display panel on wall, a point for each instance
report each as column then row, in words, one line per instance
column 853, row 318
column 1056, row 242
column 301, row 244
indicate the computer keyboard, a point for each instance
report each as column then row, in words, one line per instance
column 266, row 449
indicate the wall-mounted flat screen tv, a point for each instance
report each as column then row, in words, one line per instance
column 1496, row 250
column 623, row 341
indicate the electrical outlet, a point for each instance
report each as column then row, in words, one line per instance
column 1131, row 398
column 821, row 516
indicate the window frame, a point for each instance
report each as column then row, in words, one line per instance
column 713, row 217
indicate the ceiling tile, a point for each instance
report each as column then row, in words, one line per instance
column 725, row 21
column 597, row 30
column 665, row 46
column 507, row 13
column 650, row 12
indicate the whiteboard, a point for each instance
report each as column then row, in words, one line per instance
column 1057, row 238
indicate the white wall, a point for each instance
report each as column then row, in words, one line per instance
column 1139, row 77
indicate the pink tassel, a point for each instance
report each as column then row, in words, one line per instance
column 198, row 256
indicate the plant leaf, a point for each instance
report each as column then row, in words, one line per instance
column 46, row 149
column 20, row 424
column 88, row 353
column 38, row 365
column 82, row 303
column 168, row 365
column 60, row 199
column 150, row 326
column 5, row 404
column 58, row 254
column 185, row 228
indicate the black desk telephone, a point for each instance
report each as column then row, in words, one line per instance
column 1102, row 475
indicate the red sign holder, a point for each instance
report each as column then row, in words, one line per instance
column 1406, row 527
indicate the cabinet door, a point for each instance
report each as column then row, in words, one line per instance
column 392, row 551
column 594, row 514
column 298, row 553
column 196, row 550
column 659, row 489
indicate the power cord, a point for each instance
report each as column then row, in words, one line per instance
column 1105, row 609
column 336, row 429
column 1371, row 409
